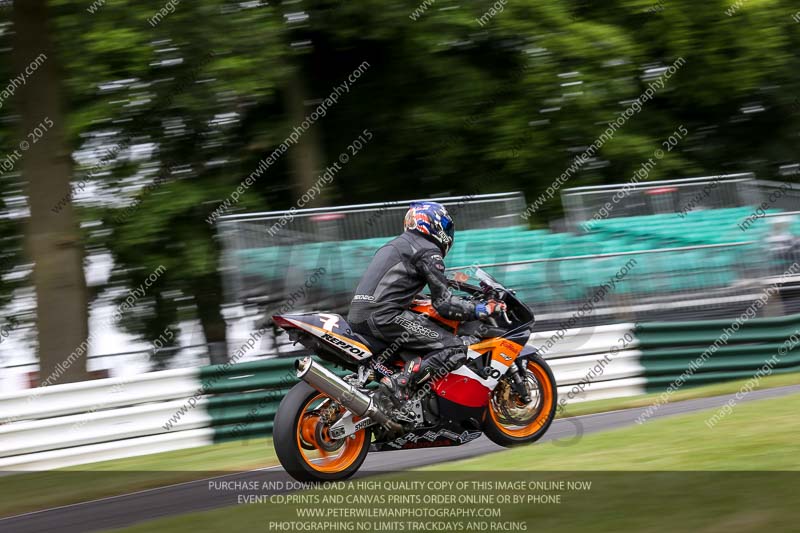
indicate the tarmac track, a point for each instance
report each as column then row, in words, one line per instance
column 128, row 509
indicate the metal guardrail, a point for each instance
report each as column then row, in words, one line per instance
column 695, row 350
column 708, row 275
column 107, row 419
column 654, row 197
column 363, row 221
column 304, row 239
column 717, row 278
column 774, row 194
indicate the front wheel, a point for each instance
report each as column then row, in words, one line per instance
column 509, row 421
column 301, row 440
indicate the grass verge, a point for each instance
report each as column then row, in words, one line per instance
column 686, row 393
column 673, row 474
column 27, row 492
column 759, row 435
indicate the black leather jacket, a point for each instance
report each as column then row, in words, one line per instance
column 397, row 273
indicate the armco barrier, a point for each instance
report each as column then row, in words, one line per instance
column 698, row 353
column 73, row 398
column 113, row 418
column 75, row 423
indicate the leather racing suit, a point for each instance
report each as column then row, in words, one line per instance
column 397, row 273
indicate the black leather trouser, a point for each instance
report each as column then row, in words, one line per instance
column 413, row 335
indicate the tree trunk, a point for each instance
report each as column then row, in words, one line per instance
column 305, row 157
column 208, row 298
column 52, row 241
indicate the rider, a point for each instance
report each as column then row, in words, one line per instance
column 397, row 273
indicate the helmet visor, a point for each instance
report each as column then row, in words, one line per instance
column 449, row 229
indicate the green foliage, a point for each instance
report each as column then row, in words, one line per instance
column 454, row 105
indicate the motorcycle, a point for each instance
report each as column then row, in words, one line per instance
column 327, row 423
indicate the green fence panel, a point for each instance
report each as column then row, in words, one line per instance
column 758, row 330
column 661, row 383
column 238, row 432
column 244, row 414
column 674, row 350
column 676, row 367
column 244, row 397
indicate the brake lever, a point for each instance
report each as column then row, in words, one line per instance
column 505, row 317
column 487, row 290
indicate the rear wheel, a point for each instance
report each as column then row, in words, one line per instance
column 302, row 442
column 510, row 421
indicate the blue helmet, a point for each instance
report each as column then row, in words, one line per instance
column 432, row 221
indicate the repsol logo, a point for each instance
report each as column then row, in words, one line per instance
column 344, row 345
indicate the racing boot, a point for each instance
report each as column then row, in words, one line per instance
column 418, row 372
column 396, row 387
column 438, row 365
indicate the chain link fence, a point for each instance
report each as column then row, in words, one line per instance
column 582, row 204
column 708, row 263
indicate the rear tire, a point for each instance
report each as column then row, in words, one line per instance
column 292, row 444
column 496, row 425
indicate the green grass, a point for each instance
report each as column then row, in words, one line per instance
column 40, row 490
column 668, row 475
column 234, row 456
column 759, row 435
column 81, row 483
column 685, row 393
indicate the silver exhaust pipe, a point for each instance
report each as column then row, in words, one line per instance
column 335, row 387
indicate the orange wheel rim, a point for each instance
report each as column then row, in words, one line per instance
column 321, row 458
column 543, row 412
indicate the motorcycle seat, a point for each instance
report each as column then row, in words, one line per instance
column 375, row 345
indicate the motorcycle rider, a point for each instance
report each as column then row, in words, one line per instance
column 397, row 273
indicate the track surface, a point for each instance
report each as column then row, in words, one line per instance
column 193, row 496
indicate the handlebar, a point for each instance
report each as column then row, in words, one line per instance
column 492, row 322
column 484, row 291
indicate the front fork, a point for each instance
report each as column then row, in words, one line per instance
column 517, row 383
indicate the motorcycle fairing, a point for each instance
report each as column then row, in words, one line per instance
column 465, row 387
column 330, row 328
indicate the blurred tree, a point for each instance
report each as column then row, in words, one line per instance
column 736, row 89
column 175, row 116
column 459, row 106
column 53, row 240
column 171, row 116
column 11, row 191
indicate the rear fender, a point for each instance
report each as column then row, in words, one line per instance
column 330, row 329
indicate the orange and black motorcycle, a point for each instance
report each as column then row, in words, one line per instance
column 327, row 423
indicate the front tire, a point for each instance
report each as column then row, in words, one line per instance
column 510, row 422
column 301, row 442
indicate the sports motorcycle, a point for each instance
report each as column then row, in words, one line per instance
column 328, row 422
